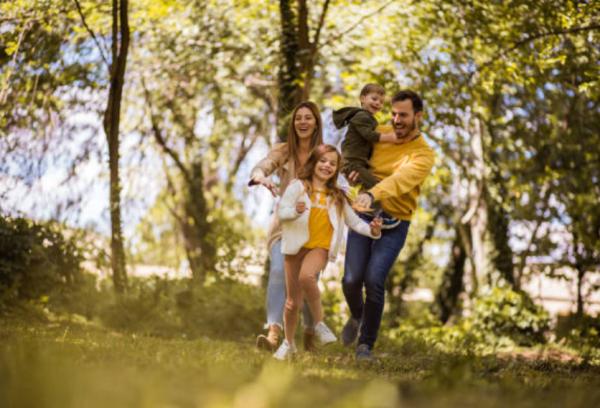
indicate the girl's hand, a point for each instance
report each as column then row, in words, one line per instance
column 300, row 207
column 376, row 226
column 265, row 182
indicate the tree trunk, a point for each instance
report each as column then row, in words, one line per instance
column 289, row 71
column 452, row 280
column 197, row 231
column 298, row 55
column 580, row 302
column 111, row 128
column 498, row 230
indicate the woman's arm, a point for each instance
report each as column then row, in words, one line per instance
column 274, row 160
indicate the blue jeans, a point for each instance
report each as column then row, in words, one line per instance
column 368, row 262
column 276, row 291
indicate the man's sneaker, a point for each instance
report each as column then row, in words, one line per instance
column 285, row 351
column 350, row 331
column 324, row 334
column 363, row 353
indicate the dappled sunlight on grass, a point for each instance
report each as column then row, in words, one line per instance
column 72, row 365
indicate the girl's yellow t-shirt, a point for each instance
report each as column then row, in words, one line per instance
column 320, row 230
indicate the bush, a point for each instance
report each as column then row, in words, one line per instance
column 225, row 309
column 37, row 261
column 148, row 307
column 506, row 313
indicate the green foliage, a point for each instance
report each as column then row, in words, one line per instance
column 38, row 262
column 148, row 307
column 506, row 313
column 225, row 309
column 172, row 308
column 581, row 333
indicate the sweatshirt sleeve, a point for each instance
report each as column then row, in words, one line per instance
column 406, row 177
column 356, row 223
column 287, row 204
column 365, row 126
column 275, row 159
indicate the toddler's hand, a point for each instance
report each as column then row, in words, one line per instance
column 388, row 137
column 376, row 226
column 300, row 207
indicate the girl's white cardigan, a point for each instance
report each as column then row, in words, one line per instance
column 295, row 226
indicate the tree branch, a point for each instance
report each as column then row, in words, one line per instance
column 506, row 51
column 89, row 30
column 315, row 42
column 356, row 24
column 160, row 139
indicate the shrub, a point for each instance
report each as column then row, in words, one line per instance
column 506, row 313
column 148, row 307
column 226, row 309
column 37, row 261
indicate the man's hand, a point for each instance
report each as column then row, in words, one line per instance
column 376, row 226
column 363, row 203
column 265, row 182
column 300, row 207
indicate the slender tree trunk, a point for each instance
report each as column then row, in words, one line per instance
column 120, row 45
column 452, row 280
column 580, row 302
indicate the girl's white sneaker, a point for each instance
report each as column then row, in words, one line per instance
column 285, row 351
column 324, row 333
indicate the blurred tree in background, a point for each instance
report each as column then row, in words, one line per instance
column 512, row 106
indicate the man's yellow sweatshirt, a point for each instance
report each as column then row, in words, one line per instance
column 402, row 170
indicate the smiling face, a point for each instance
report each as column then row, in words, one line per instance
column 373, row 102
column 305, row 123
column 327, row 166
column 404, row 119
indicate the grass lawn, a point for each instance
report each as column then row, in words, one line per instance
column 68, row 364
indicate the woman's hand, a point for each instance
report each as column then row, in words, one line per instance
column 300, row 207
column 265, row 182
column 376, row 226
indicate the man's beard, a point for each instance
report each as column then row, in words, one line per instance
column 410, row 128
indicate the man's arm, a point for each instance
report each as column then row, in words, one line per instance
column 405, row 177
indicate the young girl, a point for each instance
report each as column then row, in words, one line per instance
column 312, row 211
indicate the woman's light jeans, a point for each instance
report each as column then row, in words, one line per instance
column 276, row 291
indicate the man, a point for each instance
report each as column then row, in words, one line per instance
column 402, row 168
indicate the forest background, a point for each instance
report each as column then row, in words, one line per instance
column 128, row 129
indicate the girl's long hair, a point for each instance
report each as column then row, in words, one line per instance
column 293, row 141
column 307, row 172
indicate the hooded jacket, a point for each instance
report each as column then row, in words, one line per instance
column 357, row 147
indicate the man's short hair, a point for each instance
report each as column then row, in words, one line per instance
column 405, row 94
column 372, row 88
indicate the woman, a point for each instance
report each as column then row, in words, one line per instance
column 285, row 159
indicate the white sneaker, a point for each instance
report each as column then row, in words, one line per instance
column 285, row 351
column 324, row 333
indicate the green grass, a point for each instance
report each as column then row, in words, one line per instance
column 66, row 364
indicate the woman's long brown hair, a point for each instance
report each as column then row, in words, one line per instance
column 293, row 141
column 307, row 172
